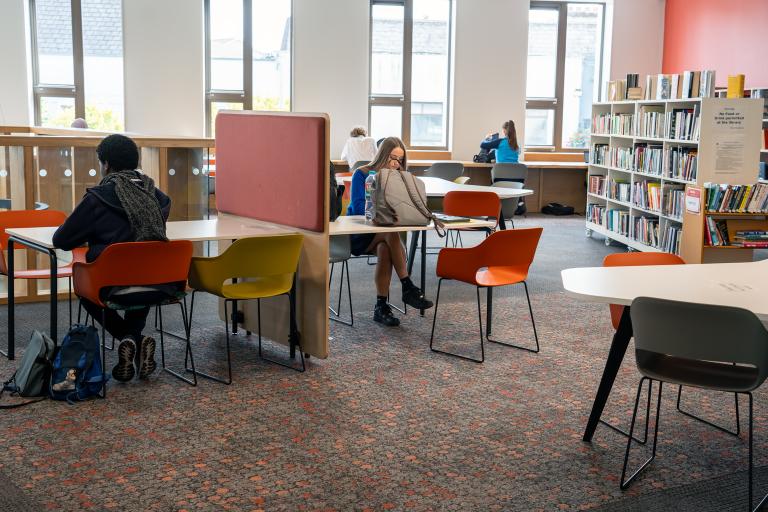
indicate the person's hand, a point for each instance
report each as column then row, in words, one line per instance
column 489, row 135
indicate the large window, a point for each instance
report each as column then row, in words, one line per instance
column 565, row 48
column 248, row 55
column 78, row 62
column 410, row 71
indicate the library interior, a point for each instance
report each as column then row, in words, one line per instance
column 238, row 241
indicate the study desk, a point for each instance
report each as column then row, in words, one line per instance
column 225, row 227
column 743, row 285
column 356, row 225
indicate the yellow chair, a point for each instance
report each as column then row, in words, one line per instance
column 461, row 180
column 251, row 268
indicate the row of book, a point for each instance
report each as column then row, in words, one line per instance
column 682, row 163
column 670, row 240
column 683, row 124
column 647, row 195
column 688, row 84
column 596, row 214
column 619, row 190
column 674, row 202
column 597, row 185
column 716, row 232
column 617, row 221
column 598, row 154
column 620, row 157
column 651, row 122
column 649, row 158
column 757, row 239
column 647, row 230
column 613, row 124
column 737, row 198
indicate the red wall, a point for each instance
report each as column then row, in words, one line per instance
column 728, row 36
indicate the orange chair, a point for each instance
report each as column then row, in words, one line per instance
column 501, row 259
column 631, row 259
column 463, row 203
column 118, row 265
column 36, row 219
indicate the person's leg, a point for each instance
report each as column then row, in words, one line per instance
column 412, row 295
column 136, row 320
column 382, row 313
column 116, row 326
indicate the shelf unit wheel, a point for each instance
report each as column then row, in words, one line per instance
column 608, row 241
column 588, row 233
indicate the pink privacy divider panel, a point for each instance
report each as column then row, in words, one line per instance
column 272, row 167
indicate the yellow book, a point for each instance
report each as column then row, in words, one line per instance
column 735, row 86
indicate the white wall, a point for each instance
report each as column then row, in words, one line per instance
column 15, row 86
column 637, row 44
column 490, row 60
column 330, row 66
column 164, row 67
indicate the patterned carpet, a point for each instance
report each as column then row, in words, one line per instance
column 383, row 424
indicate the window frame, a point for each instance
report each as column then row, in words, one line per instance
column 404, row 99
column 556, row 103
column 245, row 95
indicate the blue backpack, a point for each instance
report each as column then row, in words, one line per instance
column 76, row 373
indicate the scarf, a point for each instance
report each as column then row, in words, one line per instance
column 136, row 193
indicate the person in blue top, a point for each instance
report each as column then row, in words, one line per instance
column 507, row 150
column 387, row 247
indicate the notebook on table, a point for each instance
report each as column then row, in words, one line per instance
column 451, row 218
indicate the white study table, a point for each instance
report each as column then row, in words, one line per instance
column 743, row 285
column 224, row 227
column 356, row 225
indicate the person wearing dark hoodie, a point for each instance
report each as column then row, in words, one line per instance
column 124, row 207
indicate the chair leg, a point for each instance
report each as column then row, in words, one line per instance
column 103, row 393
column 70, row 300
column 295, row 340
column 187, row 348
column 533, row 323
column 647, row 421
column 706, row 422
column 336, row 312
column 624, row 484
column 228, row 380
column 434, row 321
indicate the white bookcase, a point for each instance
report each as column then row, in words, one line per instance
column 616, row 147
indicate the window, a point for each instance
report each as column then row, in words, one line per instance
column 565, row 55
column 410, row 71
column 248, row 55
column 78, row 62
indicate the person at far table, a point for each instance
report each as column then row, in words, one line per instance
column 124, row 207
column 359, row 147
column 507, row 149
column 386, row 246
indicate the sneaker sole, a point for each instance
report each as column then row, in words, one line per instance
column 124, row 371
column 148, row 364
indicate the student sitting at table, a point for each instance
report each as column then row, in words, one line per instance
column 359, row 147
column 507, row 149
column 386, row 246
column 124, row 207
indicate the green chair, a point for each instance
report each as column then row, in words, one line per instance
column 251, row 268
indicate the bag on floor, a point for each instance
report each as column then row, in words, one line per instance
column 557, row 209
column 400, row 199
column 76, row 373
column 32, row 377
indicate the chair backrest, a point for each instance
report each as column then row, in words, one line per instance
column 340, row 248
column 445, row 170
column 358, row 165
column 508, row 171
column 471, row 204
column 25, row 219
column 699, row 332
column 636, row 259
column 127, row 264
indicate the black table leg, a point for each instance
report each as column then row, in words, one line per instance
column 423, row 265
column 502, row 222
column 615, row 357
column 412, row 250
column 54, row 295
column 11, row 305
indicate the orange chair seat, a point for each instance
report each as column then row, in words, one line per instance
column 500, row 276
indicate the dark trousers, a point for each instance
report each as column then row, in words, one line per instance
column 131, row 324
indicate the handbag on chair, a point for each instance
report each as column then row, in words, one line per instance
column 400, row 199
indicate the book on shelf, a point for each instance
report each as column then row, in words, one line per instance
column 716, row 232
column 683, row 123
column 649, row 158
column 707, row 84
column 596, row 214
column 735, row 86
column 597, row 185
column 598, row 154
column 674, row 200
column 663, row 87
column 617, row 221
column 670, row 240
column 635, row 93
column 651, row 121
column 619, row 190
column 753, row 239
column 647, row 230
column 647, row 195
column 737, row 198
column 682, row 162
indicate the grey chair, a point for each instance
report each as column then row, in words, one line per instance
column 710, row 347
column 359, row 164
column 340, row 252
column 509, row 172
column 509, row 206
column 445, row 170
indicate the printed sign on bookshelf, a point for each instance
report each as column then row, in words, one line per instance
column 693, row 200
column 728, row 138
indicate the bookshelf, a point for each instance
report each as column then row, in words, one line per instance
column 644, row 154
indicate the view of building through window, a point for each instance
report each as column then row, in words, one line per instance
column 231, row 86
column 563, row 76
column 409, row 84
column 58, row 101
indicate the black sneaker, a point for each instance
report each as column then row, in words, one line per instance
column 382, row 314
column 147, row 363
column 414, row 298
column 124, row 370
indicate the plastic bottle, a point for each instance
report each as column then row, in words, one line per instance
column 369, row 186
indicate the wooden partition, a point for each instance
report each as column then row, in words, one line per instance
column 262, row 175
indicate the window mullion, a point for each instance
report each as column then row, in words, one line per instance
column 560, row 74
column 77, row 57
column 407, row 68
column 248, row 54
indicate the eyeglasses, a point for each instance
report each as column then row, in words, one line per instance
column 396, row 159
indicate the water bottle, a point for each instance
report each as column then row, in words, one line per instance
column 369, row 186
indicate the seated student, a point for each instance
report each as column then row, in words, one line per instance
column 386, row 246
column 358, row 147
column 507, row 149
column 124, row 207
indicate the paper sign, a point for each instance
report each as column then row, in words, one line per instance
column 693, row 200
